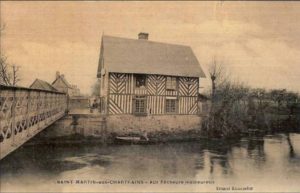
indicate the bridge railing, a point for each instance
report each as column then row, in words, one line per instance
column 24, row 112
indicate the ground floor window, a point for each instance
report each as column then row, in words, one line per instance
column 171, row 105
column 140, row 105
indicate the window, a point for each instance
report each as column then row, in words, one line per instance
column 140, row 81
column 171, row 83
column 171, row 105
column 140, row 105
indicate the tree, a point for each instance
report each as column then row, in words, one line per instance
column 227, row 114
column 9, row 74
column 4, row 79
column 96, row 88
column 3, row 65
column 258, row 93
column 278, row 96
column 15, row 75
column 291, row 101
column 217, row 76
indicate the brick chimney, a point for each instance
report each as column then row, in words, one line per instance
column 143, row 36
column 57, row 74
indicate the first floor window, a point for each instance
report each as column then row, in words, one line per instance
column 171, row 105
column 171, row 83
column 140, row 81
column 140, row 104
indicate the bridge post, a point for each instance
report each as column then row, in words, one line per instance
column 13, row 117
column 27, row 118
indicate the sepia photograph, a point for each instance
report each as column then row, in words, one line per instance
column 149, row 96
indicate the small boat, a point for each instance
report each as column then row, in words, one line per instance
column 132, row 140
column 254, row 132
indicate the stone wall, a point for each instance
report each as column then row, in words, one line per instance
column 123, row 124
column 105, row 128
column 79, row 103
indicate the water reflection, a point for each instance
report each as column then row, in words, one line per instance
column 218, row 153
column 292, row 152
column 255, row 150
column 238, row 160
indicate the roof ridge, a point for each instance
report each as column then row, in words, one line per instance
column 148, row 41
column 63, row 80
column 44, row 84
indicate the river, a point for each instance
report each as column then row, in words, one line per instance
column 270, row 163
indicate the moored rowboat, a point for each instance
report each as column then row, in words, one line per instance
column 132, row 140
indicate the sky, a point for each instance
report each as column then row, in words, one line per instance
column 257, row 42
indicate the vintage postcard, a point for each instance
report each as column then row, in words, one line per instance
column 149, row 96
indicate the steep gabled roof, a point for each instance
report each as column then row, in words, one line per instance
column 142, row 56
column 41, row 84
column 62, row 78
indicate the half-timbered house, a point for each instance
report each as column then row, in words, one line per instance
column 144, row 78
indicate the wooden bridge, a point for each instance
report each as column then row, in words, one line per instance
column 25, row 112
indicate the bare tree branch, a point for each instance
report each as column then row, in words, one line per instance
column 4, row 71
column 2, row 27
column 15, row 75
column 9, row 74
column 218, row 75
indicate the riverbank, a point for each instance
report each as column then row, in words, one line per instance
column 155, row 137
